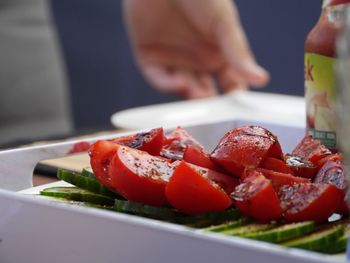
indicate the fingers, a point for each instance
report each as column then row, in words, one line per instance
column 235, row 47
column 230, row 80
column 182, row 82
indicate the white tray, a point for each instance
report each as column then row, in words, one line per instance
column 37, row 230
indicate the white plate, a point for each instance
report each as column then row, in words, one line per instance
column 281, row 109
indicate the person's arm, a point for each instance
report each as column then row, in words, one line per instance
column 181, row 46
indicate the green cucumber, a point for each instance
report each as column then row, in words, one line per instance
column 210, row 218
column 88, row 172
column 282, row 233
column 340, row 244
column 146, row 210
column 318, row 241
column 229, row 225
column 250, row 228
column 77, row 194
column 84, row 182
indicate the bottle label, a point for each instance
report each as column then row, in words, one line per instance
column 320, row 95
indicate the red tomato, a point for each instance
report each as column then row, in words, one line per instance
column 197, row 155
column 192, row 192
column 101, row 154
column 151, row 142
column 280, row 179
column 245, row 147
column 310, row 201
column 337, row 157
column 176, row 142
column 256, row 197
column 311, row 150
column 275, row 164
column 139, row 176
column 301, row 168
column 333, row 172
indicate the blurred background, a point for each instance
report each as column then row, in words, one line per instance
column 102, row 75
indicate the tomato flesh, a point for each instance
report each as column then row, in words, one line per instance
column 256, row 197
column 275, row 164
column 311, row 150
column 281, row 179
column 310, row 201
column 333, row 172
column 199, row 156
column 101, row 154
column 301, row 168
column 191, row 192
column 151, row 142
column 245, row 147
column 139, row 176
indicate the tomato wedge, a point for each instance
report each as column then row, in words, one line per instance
column 337, row 157
column 197, row 155
column 101, row 154
column 191, row 191
column 333, row 172
column 281, row 179
column 151, row 142
column 275, row 164
column 310, row 201
column 175, row 143
column 139, row 176
column 245, row 147
column 301, row 168
column 311, row 150
column 256, row 197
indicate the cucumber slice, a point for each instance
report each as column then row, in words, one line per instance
column 282, row 233
column 146, row 210
column 77, row 194
column 90, row 184
column 211, row 218
column 340, row 244
column 88, row 172
column 251, row 228
column 230, row 225
column 318, row 241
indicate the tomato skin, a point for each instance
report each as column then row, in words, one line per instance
column 303, row 202
column 281, row 179
column 337, row 157
column 197, row 155
column 256, row 197
column 192, row 193
column 139, row 176
column 301, row 168
column 275, row 164
column 245, row 147
column 311, row 150
column 101, row 154
column 333, row 172
column 151, row 142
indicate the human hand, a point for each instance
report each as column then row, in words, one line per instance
column 181, row 46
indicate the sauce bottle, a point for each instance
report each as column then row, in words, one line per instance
column 320, row 84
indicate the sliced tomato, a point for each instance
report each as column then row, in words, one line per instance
column 151, row 142
column 275, row 164
column 192, row 192
column 310, row 201
column 281, row 179
column 301, row 168
column 336, row 157
column 256, row 197
column 175, row 143
column 139, row 176
column 101, row 154
column 311, row 150
column 333, row 172
column 197, row 155
column 245, row 147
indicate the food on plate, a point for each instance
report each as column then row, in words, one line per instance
column 245, row 187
